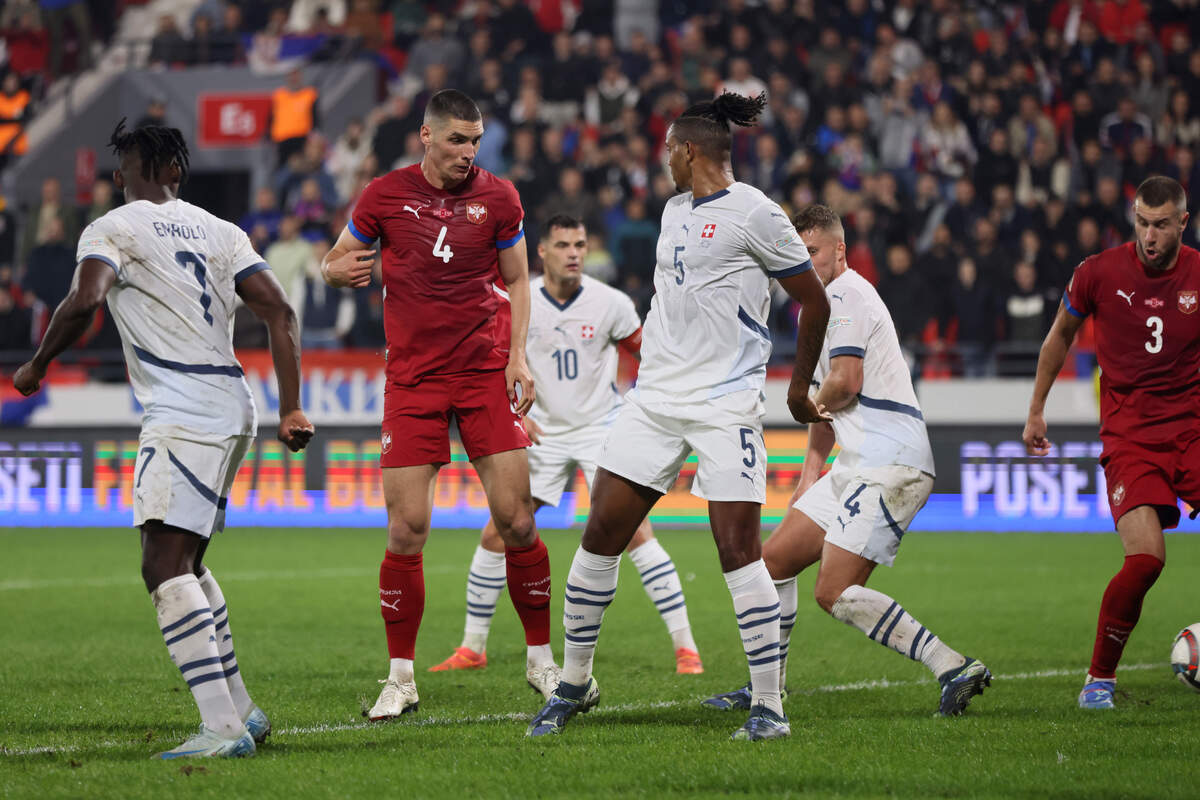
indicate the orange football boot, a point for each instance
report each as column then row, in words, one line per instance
column 464, row 658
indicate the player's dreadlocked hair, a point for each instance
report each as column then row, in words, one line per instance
column 157, row 145
column 706, row 124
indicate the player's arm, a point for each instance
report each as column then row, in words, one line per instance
column 265, row 297
column 820, row 443
column 514, row 271
column 632, row 344
column 806, row 289
column 349, row 262
column 93, row 278
column 1050, row 362
column 842, row 384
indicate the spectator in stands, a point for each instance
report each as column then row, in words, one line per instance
column 27, row 43
column 102, row 202
column 1030, row 124
column 16, row 322
column 40, row 227
column 946, row 146
column 51, row 265
column 292, row 259
column 56, row 14
column 310, row 209
column 928, row 212
column 14, row 106
column 612, row 94
column 156, row 113
column 396, row 121
column 347, row 155
column 1180, row 125
column 907, row 296
column 1085, row 119
column 305, row 164
column 168, row 48
column 1119, row 128
column 963, row 211
column 265, row 214
column 364, row 25
column 992, row 257
column 1009, row 218
column 1042, row 175
column 996, row 164
column 571, row 199
column 293, row 115
column 634, row 243
column 226, row 42
column 328, row 312
column 972, row 313
column 435, row 46
column 204, row 47
column 1026, row 320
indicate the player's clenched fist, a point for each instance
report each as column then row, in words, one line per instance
column 352, row 269
column 28, row 379
column 295, row 431
column 1034, row 435
column 803, row 408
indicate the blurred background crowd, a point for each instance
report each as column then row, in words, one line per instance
column 976, row 149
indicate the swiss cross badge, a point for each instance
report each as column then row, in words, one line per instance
column 708, row 231
column 589, row 332
column 476, row 212
column 1187, row 301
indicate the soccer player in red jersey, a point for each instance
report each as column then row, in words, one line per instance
column 1144, row 298
column 450, row 235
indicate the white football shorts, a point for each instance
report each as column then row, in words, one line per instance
column 552, row 463
column 867, row 511
column 182, row 477
column 648, row 445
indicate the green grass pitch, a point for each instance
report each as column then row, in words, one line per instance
column 87, row 693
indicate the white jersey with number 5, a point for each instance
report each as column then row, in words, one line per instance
column 177, row 270
column 572, row 353
column 706, row 335
column 884, row 426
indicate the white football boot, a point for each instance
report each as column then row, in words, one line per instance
column 396, row 698
column 543, row 677
column 206, row 743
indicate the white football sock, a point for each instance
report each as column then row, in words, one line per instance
column 883, row 620
column 788, row 603
column 400, row 670
column 591, row 585
column 485, row 582
column 233, row 676
column 538, row 655
column 187, row 628
column 661, row 583
column 756, row 605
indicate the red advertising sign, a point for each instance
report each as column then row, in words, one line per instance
column 232, row 119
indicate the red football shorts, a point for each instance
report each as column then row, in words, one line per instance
column 416, row 419
column 1153, row 474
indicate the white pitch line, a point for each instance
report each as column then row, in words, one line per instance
column 604, row 710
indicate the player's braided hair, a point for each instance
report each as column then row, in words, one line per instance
column 706, row 124
column 157, row 145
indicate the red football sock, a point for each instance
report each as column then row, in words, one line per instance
column 528, row 570
column 402, row 601
column 1119, row 611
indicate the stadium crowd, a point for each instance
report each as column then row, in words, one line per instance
column 978, row 150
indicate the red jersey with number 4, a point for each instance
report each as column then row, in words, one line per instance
column 439, row 252
column 1147, row 326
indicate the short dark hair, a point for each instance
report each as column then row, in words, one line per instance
column 451, row 104
column 817, row 217
column 1160, row 190
column 563, row 221
column 157, row 145
column 706, row 124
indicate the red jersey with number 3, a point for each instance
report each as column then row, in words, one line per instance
column 445, row 311
column 1147, row 326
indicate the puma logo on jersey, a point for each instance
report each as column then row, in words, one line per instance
column 416, row 212
column 1127, row 297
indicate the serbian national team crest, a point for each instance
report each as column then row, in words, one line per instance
column 1118, row 494
column 476, row 212
column 385, row 442
column 589, row 332
column 1187, row 301
column 708, row 231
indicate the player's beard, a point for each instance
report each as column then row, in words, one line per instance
column 1162, row 256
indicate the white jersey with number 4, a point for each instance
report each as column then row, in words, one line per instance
column 884, row 426
column 706, row 335
column 571, row 351
column 177, row 270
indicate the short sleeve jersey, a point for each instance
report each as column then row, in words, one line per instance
column 884, row 425
column 572, row 353
column 706, row 335
column 441, row 274
column 177, row 271
column 1147, row 327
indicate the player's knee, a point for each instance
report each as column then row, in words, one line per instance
column 405, row 537
column 518, row 530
